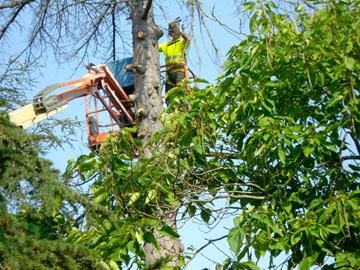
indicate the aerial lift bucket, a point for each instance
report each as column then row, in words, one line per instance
column 109, row 109
column 107, row 104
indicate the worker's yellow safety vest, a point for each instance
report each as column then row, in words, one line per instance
column 175, row 53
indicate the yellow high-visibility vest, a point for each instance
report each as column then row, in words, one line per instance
column 175, row 53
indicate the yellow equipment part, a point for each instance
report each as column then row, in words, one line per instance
column 25, row 116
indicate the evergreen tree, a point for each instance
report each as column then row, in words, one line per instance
column 37, row 211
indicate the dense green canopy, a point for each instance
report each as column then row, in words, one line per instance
column 37, row 211
column 277, row 136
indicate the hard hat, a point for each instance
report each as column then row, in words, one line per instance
column 174, row 27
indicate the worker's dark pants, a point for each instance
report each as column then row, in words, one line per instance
column 172, row 78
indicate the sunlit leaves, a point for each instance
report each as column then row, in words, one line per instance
column 293, row 90
column 275, row 138
column 235, row 239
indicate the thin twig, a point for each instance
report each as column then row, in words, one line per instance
column 211, row 241
column 12, row 19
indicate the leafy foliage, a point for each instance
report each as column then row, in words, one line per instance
column 37, row 211
column 293, row 116
column 277, row 137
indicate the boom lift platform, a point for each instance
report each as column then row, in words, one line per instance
column 107, row 105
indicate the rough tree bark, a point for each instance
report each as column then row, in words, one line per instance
column 148, row 103
column 146, row 68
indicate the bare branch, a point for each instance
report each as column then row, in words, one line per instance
column 211, row 241
column 15, row 3
column 226, row 27
column 350, row 158
column 233, row 196
column 92, row 34
column 11, row 20
column 113, row 32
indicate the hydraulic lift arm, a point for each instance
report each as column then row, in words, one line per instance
column 99, row 83
column 26, row 116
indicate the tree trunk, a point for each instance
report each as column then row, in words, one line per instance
column 146, row 66
column 148, row 104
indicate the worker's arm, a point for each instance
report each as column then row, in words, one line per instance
column 185, row 36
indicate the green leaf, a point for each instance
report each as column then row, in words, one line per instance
column 100, row 197
column 205, row 215
column 191, row 209
column 198, row 148
column 150, row 196
column 254, row 23
column 201, row 80
column 299, row 8
column 139, row 237
column 349, row 63
column 104, row 266
column 168, row 231
column 226, row 263
column 267, row 107
column 332, row 228
column 150, row 238
column 106, row 224
column 250, row 265
column 282, row 244
column 308, row 150
column 249, row 6
column 172, row 201
column 335, row 99
column 113, row 265
column 235, row 239
column 308, row 262
column 239, row 221
column 261, row 243
column 281, row 155
column 227, row 82
column 296, row 237
column 287, row 207
column 315, row 204
column 349, row 46
column 133, row 197
column 186, row 138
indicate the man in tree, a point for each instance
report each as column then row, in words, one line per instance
column 174, row 51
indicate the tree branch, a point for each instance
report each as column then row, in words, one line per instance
column 11, row 20
column 92, row 34
column 205, row 246
column 14, row 3
column 113, row 32
column 146, row 10
column 350, row 158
